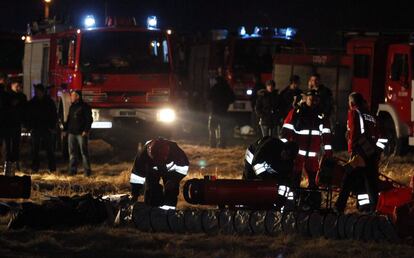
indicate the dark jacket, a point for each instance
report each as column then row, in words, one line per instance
column 326, row 101
column 257, row 87
column 267, row 107
column 287, row 97
column 79, row 118
column 220, row 96
column 41, row 114
column 4, row 105
column 17, row 111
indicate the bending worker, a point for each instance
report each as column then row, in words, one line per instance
column 159, row 159
column 365, row 148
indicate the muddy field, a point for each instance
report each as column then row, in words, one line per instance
column 111, row 175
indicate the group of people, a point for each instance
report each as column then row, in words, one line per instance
column 305, row 139
column 40, row 118
column 272, row 107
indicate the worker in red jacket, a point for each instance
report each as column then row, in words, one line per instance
column 159, row 159
column 364, row 146
column 311, row 131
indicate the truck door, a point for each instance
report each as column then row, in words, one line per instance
column 398, row 81
column 65, row 61
column 35, row 64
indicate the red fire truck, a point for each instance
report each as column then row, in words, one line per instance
column 124, row 72
column 241, row 56
column 380, row 66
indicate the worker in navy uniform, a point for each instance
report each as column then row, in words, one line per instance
column 365, row 146
column 160, row 159
column 270, row 158
column 41, row 121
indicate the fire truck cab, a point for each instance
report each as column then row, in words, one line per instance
column 383, row 73
column 124, row 73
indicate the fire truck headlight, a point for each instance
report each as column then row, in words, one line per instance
column 166, row 115
column 89, row 21
column 249, row 92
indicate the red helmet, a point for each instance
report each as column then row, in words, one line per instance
column 158, row 150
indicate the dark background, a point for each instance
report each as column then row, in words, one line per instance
column 317, row 21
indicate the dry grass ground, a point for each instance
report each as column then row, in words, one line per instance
column 111, row 175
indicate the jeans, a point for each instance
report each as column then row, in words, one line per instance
column 78, row 142
column 218, row 130
column 45, row 137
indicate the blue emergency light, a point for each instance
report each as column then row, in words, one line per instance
column 242, row 31
column 152, row 22
column 89, row 21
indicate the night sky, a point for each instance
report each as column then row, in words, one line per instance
column 317, row 22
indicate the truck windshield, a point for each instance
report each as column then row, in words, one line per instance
column 254, row 55
column 126, row 52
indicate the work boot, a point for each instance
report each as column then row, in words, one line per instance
column 88, row 173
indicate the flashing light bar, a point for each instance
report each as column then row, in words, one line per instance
column 152, row 22
column 89, row 21
column 286, row 33
column 102, row 125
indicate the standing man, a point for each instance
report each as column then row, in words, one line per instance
column 4, row 105
column 258, row 85
column 16, row 114
column 290, row 96
column 42, row 119
column 220, row 97
column 267, row 109
column 159, row 159
column 325, row 95
column 365, row 148
column 77, row 126
column 311, row 131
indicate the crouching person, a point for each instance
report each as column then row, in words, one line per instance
column 160, row 159
column 271, row 159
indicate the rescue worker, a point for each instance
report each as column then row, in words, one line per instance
column 306, row 126
column 267, row 109
column 290, row 96
column 41, row 121
column 164, row 159
column 78, row 126
column 269, row 158
column 325, row 95
column 364, row 146
column 220, row 97
column 16, row 114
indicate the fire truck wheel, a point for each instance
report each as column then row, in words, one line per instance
column 395, row 146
